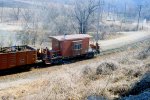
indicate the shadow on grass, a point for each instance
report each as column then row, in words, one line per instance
column 40, row 65
column 139, row 88
column 14, row 70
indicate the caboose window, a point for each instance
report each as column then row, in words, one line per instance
column 77, row 46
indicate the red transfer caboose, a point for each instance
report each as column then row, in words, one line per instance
column 66, row 47
column 71, row 45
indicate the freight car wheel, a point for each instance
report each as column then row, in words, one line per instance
column 90, row 55
column 57, row 61
column 24, row 68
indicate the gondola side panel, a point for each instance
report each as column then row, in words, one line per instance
column 21, row 58
column 11, row 60
column 31, row 57
column 3, row 61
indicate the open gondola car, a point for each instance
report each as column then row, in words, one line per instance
column 15, row 56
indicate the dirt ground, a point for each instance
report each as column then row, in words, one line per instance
column 126, row 39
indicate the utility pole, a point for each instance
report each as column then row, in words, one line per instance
column 108, row 9
column 98, row 17
column 125, row 13
column 125, row 10
column 140, row 8
column 18, row 13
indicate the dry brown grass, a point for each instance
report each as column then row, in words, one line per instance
column 108, row 76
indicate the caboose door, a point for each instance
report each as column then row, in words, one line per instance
column 77, row 48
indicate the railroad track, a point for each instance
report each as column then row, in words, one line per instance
column 106, row 52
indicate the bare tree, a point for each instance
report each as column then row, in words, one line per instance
column 24, row 36
column 83, row 10
column 16, row 13
column 10, row 42
column 1, row 42
column 27, row 15
column 30, row 26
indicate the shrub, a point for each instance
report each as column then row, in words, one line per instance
column 87, row 70
column 106, row 68
column 144, row 54
column 89, row 74
column 147, row 66
column 119, row 90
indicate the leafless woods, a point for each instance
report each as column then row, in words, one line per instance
column 40, row 19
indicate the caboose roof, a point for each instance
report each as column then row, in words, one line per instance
column 70, row 37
